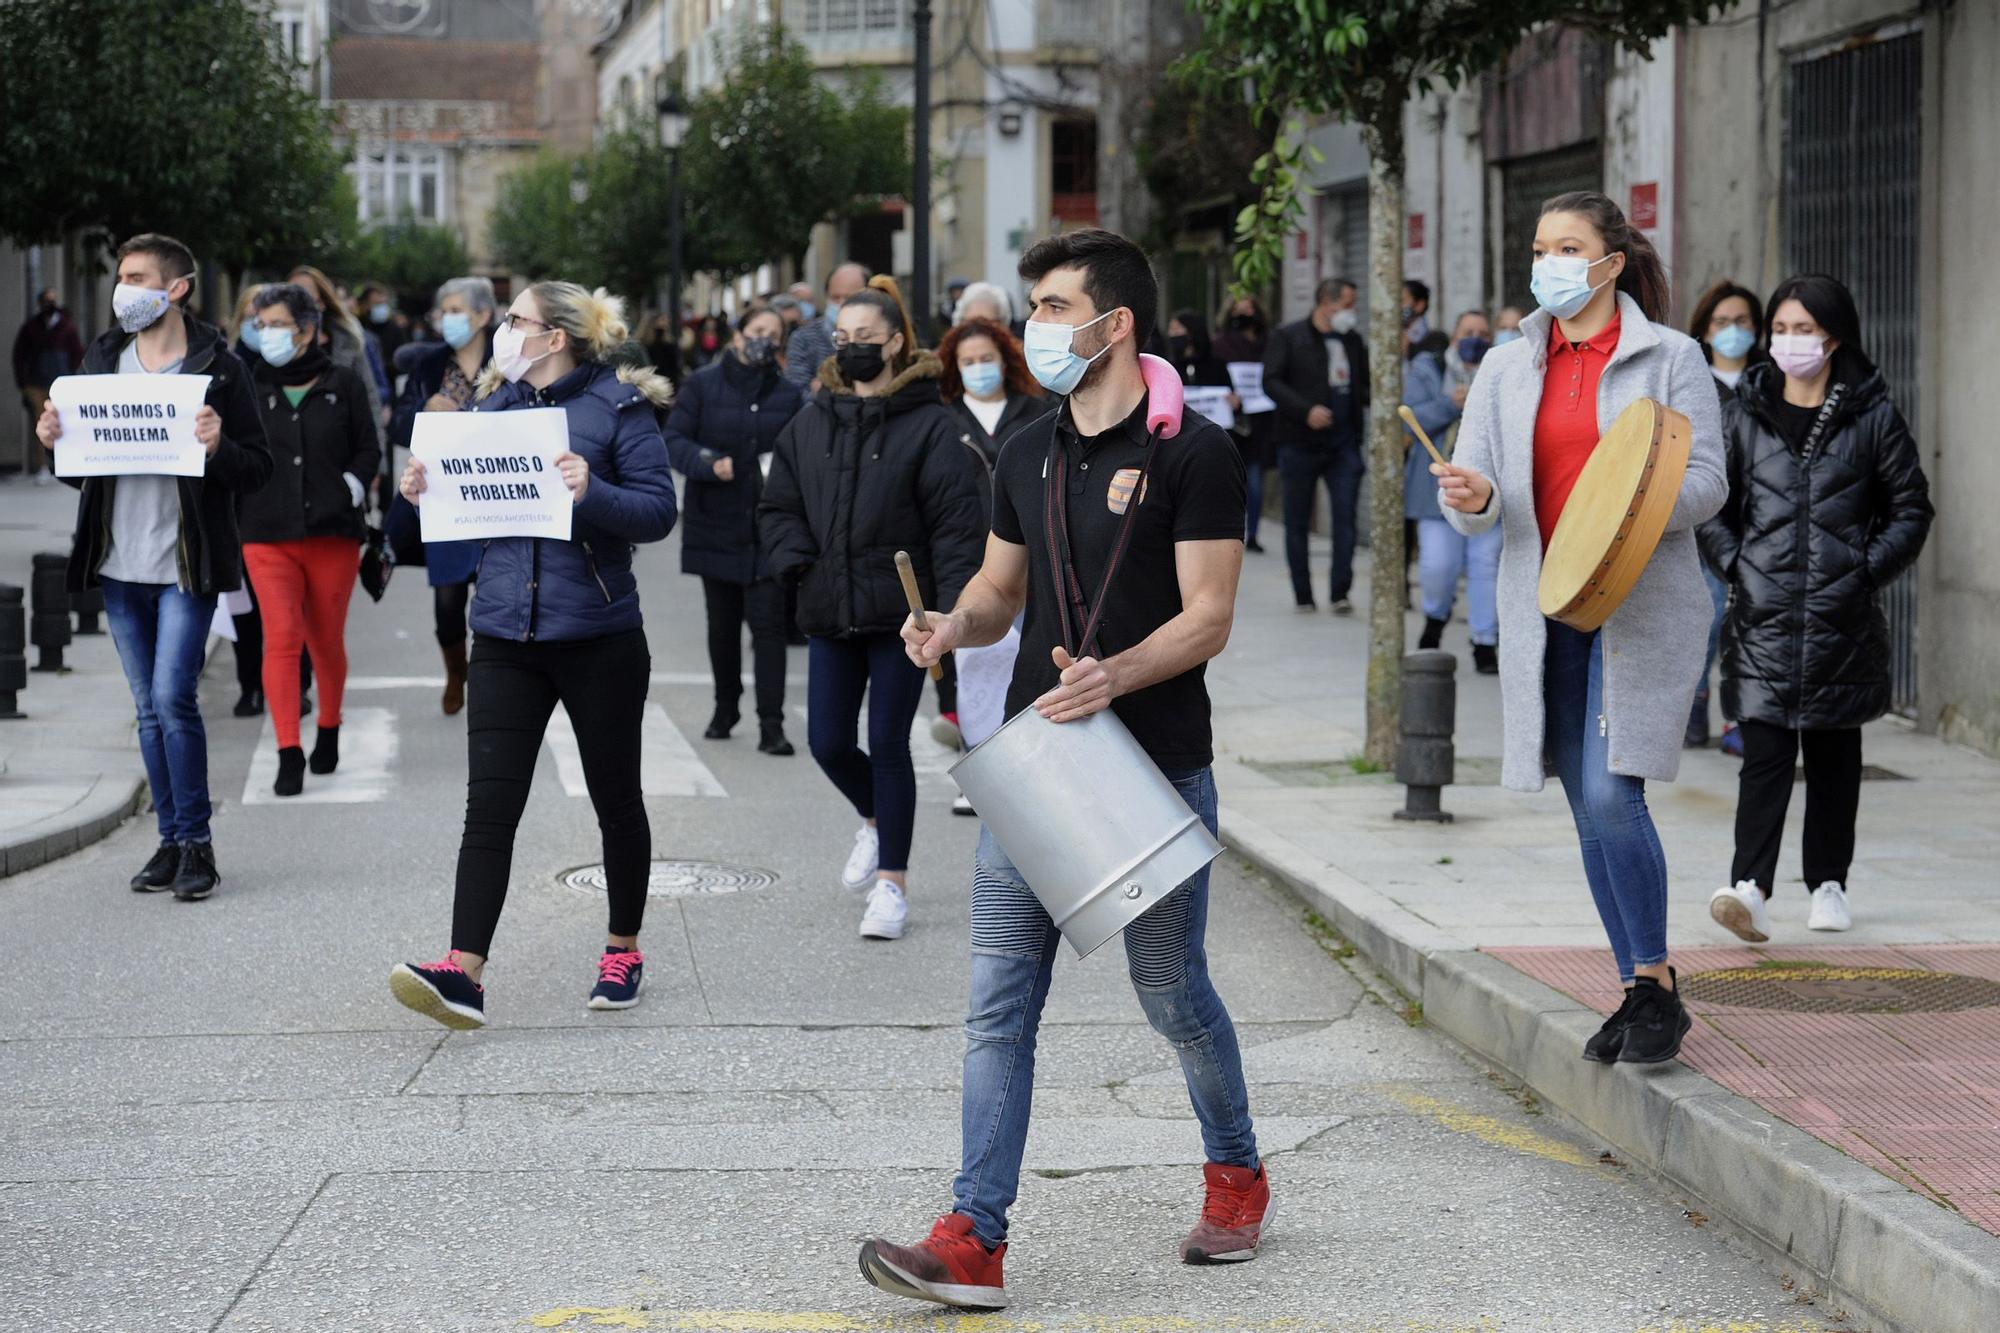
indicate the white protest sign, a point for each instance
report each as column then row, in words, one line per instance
column 1212, row 401
column 1248, row 379
column 492, row 474
column 128, row 425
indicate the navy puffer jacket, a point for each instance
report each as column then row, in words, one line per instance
column 1806, row 541
column 726, row 410
column 536, row 589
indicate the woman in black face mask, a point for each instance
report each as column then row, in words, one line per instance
column 871, row 466
column 720, row 433
column 1241, row 344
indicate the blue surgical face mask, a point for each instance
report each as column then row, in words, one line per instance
column 1505, row 336
column 379, row 312
column 456, row 327
column 1561, row 283
column 807, row 310
column 249, row 332
column 980, row 378
column 1050, row 358
column 1733, row 343
column 276, row 346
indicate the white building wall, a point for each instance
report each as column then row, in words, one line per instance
column 640, row 52
column 1639, row 131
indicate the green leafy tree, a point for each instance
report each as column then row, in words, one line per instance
column 414, row 258
column 598, row 218
column 122, row 116
column 1359, row 62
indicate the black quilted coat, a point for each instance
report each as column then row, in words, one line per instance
column 1806, row 541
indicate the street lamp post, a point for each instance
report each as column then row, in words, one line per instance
column 673, row 128
column 920, row 153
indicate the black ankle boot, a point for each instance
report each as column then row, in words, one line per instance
column 251, row 704
column 291, row 771
column 771, row 739
column 326, row 750
column 1659, row 1021
column 721, row 725
column 1433, row 631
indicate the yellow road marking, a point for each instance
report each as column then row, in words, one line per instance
column 583, row 1317
column 1489, row 1129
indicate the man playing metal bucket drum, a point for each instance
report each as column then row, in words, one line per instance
column 1063, row 491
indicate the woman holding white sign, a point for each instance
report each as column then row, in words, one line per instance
column 557, row 622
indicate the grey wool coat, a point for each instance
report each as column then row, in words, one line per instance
column 1655, row 642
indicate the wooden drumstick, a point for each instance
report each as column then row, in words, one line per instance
column 908, row 573
column 1410, row 420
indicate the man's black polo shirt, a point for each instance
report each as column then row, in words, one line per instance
column 1195, row 492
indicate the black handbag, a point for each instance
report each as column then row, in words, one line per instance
column 378, row 561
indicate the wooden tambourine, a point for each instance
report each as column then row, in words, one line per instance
column 1613, row 518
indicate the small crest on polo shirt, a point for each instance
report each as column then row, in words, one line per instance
column 1119, row 497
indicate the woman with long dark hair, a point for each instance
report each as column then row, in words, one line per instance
column 1242, row 340
column 870, row 467
column 1828, row 503
column 1604, row 710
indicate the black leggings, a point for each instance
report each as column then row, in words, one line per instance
column 448, row 609
column 763, row 604
column 1833, row 798
column 511, row 691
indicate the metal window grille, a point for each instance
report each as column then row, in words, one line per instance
column 1850, row 209
column 1525, row 185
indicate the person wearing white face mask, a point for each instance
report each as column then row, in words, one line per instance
column 1604, row 710
column 302, row 531
column 1828, row 503
column 1316, row 371
column 164, row 548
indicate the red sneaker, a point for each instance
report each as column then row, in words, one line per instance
column 1232, row 1216
column 951, row 1267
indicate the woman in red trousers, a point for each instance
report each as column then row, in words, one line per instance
column 302, row 531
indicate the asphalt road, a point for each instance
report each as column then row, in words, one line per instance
column 215, row 1117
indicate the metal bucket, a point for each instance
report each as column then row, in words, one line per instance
column 1087, row 817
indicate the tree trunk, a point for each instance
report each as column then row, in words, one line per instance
column 1388, row 583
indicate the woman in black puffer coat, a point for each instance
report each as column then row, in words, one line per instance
column 1827, row 505
column 870, row 467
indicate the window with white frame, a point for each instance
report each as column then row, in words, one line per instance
column 396, row 181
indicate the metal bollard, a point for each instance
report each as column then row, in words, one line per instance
column 51, row 618
column 88, row 605
column 13, row 651
column 1425, row 753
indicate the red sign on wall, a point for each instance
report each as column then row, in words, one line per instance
column 1416, row 241
column 1645, row 211
column 1301, row 243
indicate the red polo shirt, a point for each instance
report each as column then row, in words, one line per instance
column 1566, row 423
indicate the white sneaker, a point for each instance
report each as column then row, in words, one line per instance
column 961, row 804
column 1742, row 911
column 864, row 860
column 44, row 477
column 1829, row 908
column 886, row 912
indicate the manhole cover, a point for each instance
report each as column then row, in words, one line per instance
column 1815, row 989
column 678, row 879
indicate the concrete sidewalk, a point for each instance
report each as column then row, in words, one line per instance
column 69, row 771
column 1488, row 924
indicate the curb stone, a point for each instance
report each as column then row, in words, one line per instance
column 1913, row 1264
column 113, row 798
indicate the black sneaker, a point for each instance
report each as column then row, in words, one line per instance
column 1659, row 1022
column 291, row 772
column 197, row 876
column 771, row 739
column 1486, row 659
column 720, row 725
column 1604, row 1044
column 160, row 871
column 620, row 974
column 326, row 751
column 440, row 990
column 1432, row 635
column 251, row 704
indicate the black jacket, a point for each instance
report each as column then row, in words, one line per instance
column 984, row 449
column 424, row 364
column 726, row 410
column 1295, row 378
column 211, row 553
column 853, row 481
column 327, row 434
column 1805, row 542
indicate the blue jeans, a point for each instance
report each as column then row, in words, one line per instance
column 882, row 783
column 1622, row 858
column 1299, row 474
column 162, row 635
column 1442, row 551
column 1013, row 958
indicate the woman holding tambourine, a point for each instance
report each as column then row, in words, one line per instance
column 1603, row 710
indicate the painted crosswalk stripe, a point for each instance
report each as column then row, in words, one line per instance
column 367, row 756
column 668, row 765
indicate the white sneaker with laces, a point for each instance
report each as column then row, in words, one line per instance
column 864, row 860
column 1742, row 911
column 1829, row 908
column 886, row 913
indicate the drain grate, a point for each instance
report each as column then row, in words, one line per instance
column 678, row 879
column 1813, row 988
